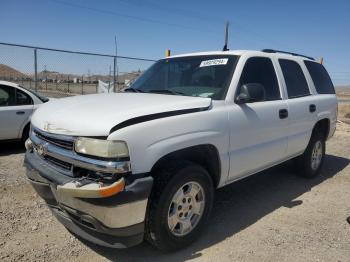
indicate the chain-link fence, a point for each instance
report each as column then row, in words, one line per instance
column 64, row 72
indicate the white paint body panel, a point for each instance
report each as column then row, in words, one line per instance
column 96, row 115
column 248, row 138
column 258, row 137
column 149, row 141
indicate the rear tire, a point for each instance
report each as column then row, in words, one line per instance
column 180, row 205
column 310, row 163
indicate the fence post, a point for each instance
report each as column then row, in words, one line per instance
column 96, row 85
column 56, row 84
column 114, row 71
column 82, row 84
column 35, row 70
column 68, row 83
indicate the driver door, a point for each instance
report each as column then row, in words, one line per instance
column 258, row 130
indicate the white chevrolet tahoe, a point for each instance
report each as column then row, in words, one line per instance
column 116, row 169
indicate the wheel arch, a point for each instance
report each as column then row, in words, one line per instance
column 205, row 155
column 323, row 126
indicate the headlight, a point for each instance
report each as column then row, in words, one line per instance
column 101, row 148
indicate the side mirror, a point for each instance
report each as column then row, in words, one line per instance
column 251, row 92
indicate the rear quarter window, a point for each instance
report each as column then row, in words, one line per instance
column 320, row 77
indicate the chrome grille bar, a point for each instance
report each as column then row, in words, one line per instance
column 70, row 157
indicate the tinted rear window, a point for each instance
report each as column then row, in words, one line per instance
column 294, row 78
column 320, row 77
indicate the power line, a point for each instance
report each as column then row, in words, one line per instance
column 199, row 16
column 195, row 15
column 174, row 10
column 143, row 19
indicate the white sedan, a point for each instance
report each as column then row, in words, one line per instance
column 16, row 107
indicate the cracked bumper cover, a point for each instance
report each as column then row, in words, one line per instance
column 113, row 221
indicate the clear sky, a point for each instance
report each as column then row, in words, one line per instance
column 145, row 28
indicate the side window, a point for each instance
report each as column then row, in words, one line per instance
column 22, row 98
column 294, row 78
column 7, row 96
column 260, row 70
column 320, row 77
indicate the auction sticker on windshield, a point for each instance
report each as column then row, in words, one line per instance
column 214, row 62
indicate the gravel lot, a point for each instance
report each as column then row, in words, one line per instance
column 272, row 216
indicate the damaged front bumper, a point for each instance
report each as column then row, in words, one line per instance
column 111, row 216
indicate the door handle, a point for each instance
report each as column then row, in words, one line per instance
column 20, row 113
column 312, row 108
column 283, row 113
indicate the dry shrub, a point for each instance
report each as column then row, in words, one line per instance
column 343, row 110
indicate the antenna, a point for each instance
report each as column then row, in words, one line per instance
column 226, row 36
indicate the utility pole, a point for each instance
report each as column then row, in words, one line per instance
column 36, row 69
column 116, row 77
column 45, row 73
column 226, row 36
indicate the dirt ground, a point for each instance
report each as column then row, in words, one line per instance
column 272, row 216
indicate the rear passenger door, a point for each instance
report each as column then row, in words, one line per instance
column 326, row 98
column 301, row 106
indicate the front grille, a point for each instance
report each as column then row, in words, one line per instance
column 59, row 163
column 66, row 144
column 58, row 151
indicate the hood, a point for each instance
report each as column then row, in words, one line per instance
column 96, row 115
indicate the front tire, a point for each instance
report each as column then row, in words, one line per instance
column 180, row 205
column 310, row 163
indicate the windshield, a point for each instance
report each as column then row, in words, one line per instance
column 202, row 76
column 42, row 98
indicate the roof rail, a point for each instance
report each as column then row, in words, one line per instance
column 284, row 52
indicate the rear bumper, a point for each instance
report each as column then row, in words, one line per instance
column 114, row 221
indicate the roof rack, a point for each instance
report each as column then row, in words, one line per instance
column 284, row 52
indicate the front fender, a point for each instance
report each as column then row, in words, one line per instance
column 150, row 141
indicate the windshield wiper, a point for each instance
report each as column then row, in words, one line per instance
column 130, row 89
column 165, row 91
